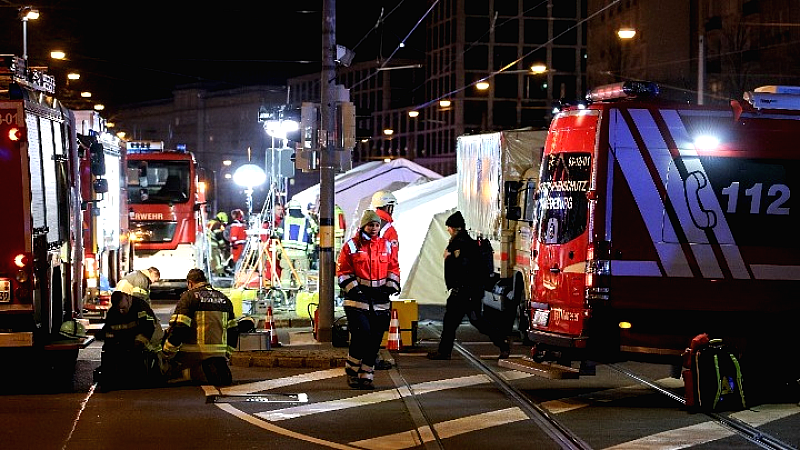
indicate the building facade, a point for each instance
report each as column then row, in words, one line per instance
column 216, row 126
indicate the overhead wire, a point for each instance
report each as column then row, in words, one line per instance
column 513, row 63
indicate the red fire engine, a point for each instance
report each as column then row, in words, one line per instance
column 107, row 250
column 655, row 222
column 41, row 253
column 166, row 204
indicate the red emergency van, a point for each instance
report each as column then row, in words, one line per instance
column 658, row 221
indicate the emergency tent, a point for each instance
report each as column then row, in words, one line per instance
column 419, row 219
column 364, row 180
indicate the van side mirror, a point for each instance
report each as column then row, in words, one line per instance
column 100, row 186
column 97, row 159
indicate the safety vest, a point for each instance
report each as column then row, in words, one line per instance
column 296, row 233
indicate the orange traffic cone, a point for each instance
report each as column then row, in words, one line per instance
column 394, row 342
column 269, row 324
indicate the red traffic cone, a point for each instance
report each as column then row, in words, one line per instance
column 269, row 324
column 395, row 341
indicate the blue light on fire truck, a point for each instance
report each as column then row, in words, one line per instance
column 625, row 89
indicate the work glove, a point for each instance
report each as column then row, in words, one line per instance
column 168, row 351
column 141, row 342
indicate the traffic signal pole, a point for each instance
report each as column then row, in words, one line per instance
column 327, row 261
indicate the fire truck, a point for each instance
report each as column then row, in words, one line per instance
column 166, row 209
column 41, row 253
column 107, row 249
column 655, row 221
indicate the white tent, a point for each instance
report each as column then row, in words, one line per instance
column 419, row 219
column 364, row 180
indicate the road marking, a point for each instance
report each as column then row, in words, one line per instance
column 446, row 429
column 705, row 432
column 266, row 385
column 371, row 398
column 563, row 405
column 280, row 430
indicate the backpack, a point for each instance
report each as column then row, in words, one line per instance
column 485, row 262
column 717, row 377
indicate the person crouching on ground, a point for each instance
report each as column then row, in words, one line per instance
column 202, row 334
column 463, row 280
column 368, row 273
column 131, row 337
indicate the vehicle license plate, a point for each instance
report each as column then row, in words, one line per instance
column 540, row 317
column 5, row 290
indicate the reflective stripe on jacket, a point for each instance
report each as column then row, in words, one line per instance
column 388, row 231
column 365, row 265
column 203, row 324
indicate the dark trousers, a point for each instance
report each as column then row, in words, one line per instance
column 462, row 302
column 366, row 333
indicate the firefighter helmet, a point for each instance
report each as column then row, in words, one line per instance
column 237, row 214
column 293, row 204
column 222, row 216
column 382, row 199
column 72, row 329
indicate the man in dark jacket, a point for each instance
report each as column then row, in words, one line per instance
column 462, row 275
column 202, row 333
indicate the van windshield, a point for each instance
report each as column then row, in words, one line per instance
column 562, row 205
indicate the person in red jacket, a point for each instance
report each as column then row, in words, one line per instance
column 368, row 273
column 238, row 234
column 383, row 202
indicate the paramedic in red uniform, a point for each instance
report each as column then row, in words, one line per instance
column 238, row 234
column 368, row 273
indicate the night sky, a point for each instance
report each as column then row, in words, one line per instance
column 139, row 51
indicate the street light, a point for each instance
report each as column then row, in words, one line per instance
column 26, row 13
column 626, row 33
column 249, row 176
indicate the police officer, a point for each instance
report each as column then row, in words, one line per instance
column 202, row 334
column 297, row 242
column 464, row 281
column 368, row 273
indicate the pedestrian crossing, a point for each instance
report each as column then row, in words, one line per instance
column 270, row 418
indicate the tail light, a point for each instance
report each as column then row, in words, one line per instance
column 595, row 269
column 22, row 286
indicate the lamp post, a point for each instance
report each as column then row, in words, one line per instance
column 26, row 13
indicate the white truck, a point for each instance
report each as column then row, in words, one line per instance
column 496, row 179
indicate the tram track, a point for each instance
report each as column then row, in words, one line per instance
column 568, row 439
column 559, row 433
column 743, row 429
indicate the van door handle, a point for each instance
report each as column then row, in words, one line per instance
column 555, row 270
